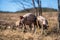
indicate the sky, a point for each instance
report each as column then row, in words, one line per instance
column 16, row 5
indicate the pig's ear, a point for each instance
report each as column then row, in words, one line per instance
column 21, row 17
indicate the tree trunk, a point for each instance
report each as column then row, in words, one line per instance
column 59, row 12
column 39, row 10
column 34, row 7
column 39, row 7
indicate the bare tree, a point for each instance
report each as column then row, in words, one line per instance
column 29, row 3
column 59, row 12
column 33, row 3
column 39, row 9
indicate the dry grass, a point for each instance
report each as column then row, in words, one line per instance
column 9, row 34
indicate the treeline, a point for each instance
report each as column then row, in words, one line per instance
column 6, row 12
column 43, row 10
column 30, row 9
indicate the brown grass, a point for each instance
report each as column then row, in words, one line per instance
column 9, row 34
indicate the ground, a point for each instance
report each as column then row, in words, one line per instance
column 11, row 34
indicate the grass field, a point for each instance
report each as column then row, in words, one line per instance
column 9, row 34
